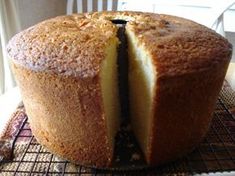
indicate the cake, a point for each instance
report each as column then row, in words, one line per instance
column 66, row 68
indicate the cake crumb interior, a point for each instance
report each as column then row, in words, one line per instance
column 138, row 81
column 141, row 84
column 109, row 86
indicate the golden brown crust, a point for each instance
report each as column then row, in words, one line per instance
column 74, row 45
column 177, row 45
column 69, row 45
column 183, row 107
column 66, row 115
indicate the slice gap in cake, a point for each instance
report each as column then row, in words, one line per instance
column 141, row 85
column 123, row 70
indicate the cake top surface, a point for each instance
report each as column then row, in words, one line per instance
column 75, row 44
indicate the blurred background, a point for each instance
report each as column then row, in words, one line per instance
column 16, row 15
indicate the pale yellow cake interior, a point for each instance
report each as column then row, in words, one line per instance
column 109, row 86
column 141, row 82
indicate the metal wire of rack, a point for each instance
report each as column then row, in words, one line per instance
column 215, row 154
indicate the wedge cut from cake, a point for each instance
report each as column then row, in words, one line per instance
column 66, row 68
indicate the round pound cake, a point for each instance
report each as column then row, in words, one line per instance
column 67, row 71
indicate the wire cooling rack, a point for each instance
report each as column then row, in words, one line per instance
column 215, row 154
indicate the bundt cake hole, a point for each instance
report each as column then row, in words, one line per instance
column 119, row 21
column 122, row 63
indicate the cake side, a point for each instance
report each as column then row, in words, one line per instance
column 59, row 66
column 189, row 63
column 66, row 115
column 182, row 111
